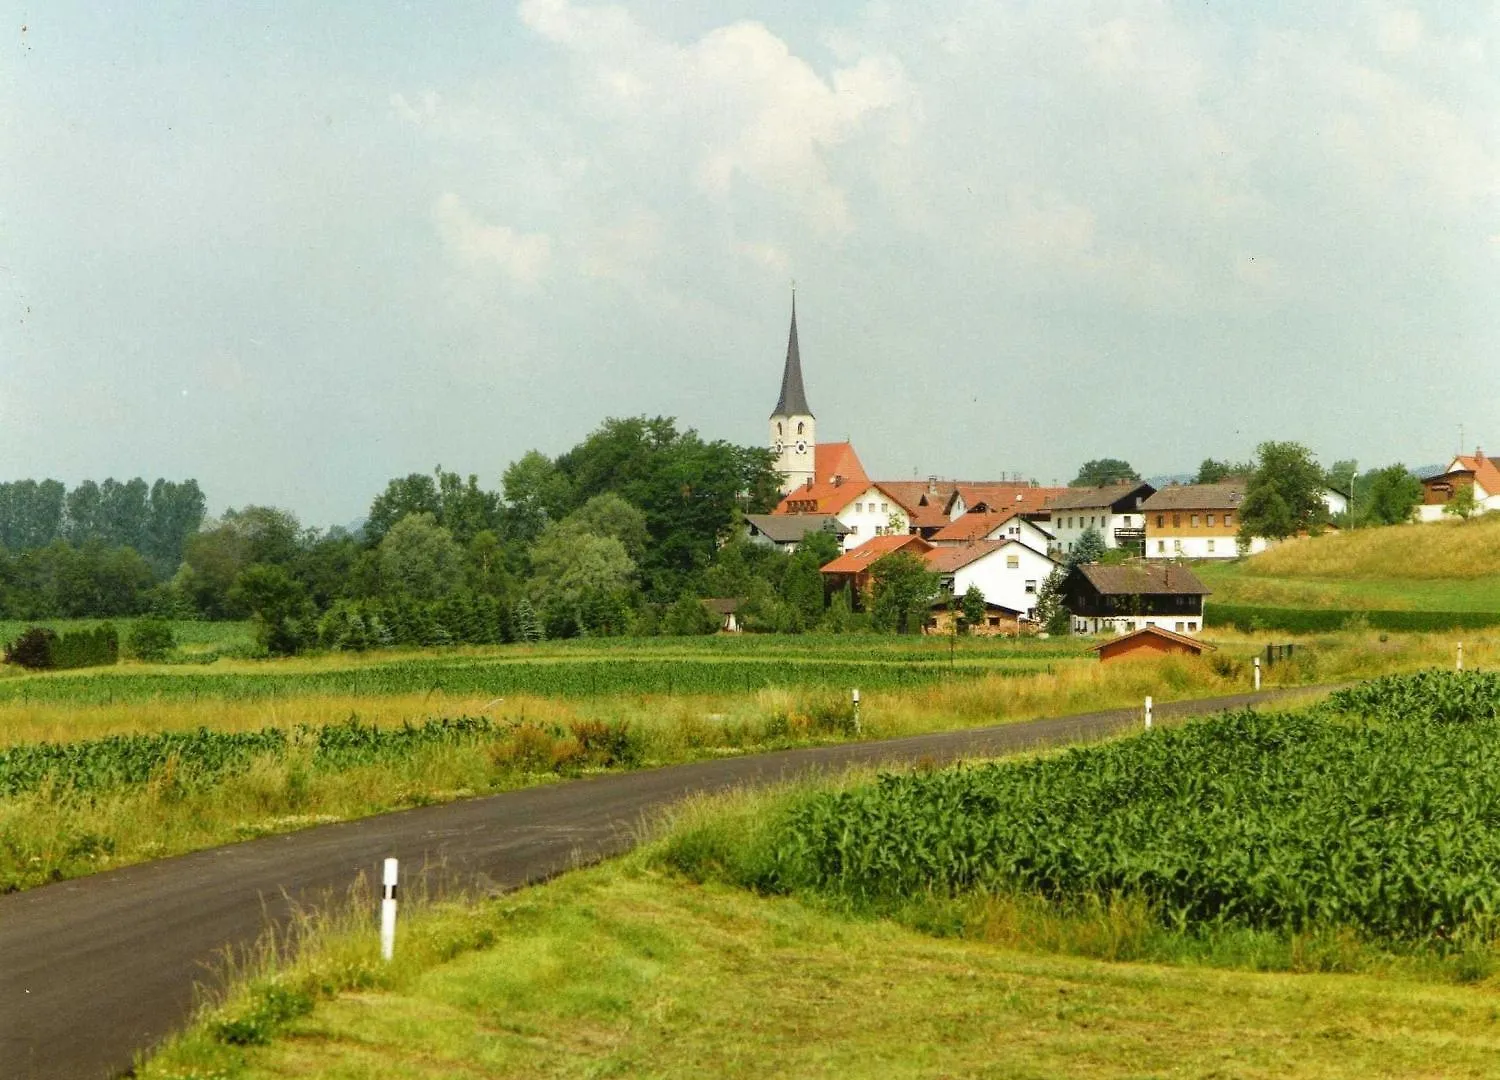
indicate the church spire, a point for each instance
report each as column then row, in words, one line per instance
column 793, row 400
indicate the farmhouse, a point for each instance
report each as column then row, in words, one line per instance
column 1007, row 572
column 786, row 531
column 1147, row 643
column 1196, row 521
column 1124, row 598
column 1477, row 472
column 1114, row 510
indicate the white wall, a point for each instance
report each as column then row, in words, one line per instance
column 1070, row 525
column 795, row 453
column 1003, row 584
column 1189, row 625
column 872, row 513
column 1205, row 546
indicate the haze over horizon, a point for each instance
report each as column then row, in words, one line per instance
column 295, row 254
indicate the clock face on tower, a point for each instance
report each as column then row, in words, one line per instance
column 779, row 447
column 801, row 447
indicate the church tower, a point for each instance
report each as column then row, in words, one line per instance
column 792, row 424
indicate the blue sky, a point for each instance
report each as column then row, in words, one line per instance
column 294, row 254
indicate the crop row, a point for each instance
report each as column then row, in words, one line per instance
column 197, row 759
column 553, row 678
column 1379, row 812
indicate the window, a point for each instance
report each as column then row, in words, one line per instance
column 1195, row 521
column 859, row 508
column 778, row 427
column 1126, row 522
column 1176, row 521
column 1178, row 628
column 1161, row 520
column 1210, row 521
column 1228, row 521
column 1012, row 562
column 1031, row 586
column 1210, row 547
column 1192, row 626
column 993, row 620
column 885, row 508
column 1161, row 547
column 1177, row 546
column 853, row 530
column 800, row 427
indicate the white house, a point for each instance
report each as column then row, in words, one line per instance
column 1008, row 572
column 1196, row 521
column 1114, row 511
column 1005, row 525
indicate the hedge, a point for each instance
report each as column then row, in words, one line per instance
column 1322, row 620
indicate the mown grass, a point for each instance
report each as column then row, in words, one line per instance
column 630, row 970
column 56, row 832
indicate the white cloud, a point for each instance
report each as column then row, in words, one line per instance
column 472, row 242
column 1398, row 32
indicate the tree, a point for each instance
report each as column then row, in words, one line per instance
column 1050, row 611
column 573, row 570
column 1463, row 504
column 1216, row 472
column 821, row 546
column 1102, row 471
column 802, row 586
column 973, row 607
column 150, row 639
column 536, row 494
column 688, row 616
column 415, row 493
column 610, row 515
column 284, row 618
column 1392, row 495
column 1285, row 494
column 528, row 629
column 420, row 558
column 904, row 590
column 1089, row 548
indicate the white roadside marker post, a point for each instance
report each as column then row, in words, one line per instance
column 854, row 696
column 1257, row 674
column 1148, row 712
column 388, row 911
column 1460, row 656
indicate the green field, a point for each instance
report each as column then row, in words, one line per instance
column 1303, row 894
column 1240, row 582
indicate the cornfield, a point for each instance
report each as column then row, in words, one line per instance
column 1379, row 811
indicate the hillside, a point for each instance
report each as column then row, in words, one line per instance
column 1445, row 566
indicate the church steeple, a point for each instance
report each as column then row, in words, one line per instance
column 792, row 424
column 793, row 399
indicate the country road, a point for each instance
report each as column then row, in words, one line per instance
column 95, row 970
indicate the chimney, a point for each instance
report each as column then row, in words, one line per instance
column 932, row 485
column 1478, row 456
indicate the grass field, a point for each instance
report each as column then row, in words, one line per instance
column 633, row 969
column 623, row 971
column 161, row 798
column 1443, row 566
column 193, row 637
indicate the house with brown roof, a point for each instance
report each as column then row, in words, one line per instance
column 1196, row 521
column 1114, row 511
column 852, row 568
column 1125, row 597
column 1028, row 499
column 925, row 502
column 999, row 620
column 979, row 525
column 1149, row 643
column 1478, row 472
column 1007, row 572
column 785, row 532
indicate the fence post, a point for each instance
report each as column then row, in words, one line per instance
column 1460, row 656
column 854, row 696
column 1257, row 673
column 388, row 911
column 1148, row 711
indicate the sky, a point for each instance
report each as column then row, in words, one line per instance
column 296, row 250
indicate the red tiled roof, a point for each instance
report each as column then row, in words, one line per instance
column 945, row 560
column 872, row 551
column 972, row 526
column 923, row 500
column 838, row 477
column 1486, row 475
column 1022, row 498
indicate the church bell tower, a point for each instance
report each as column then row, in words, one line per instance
column 792, row 423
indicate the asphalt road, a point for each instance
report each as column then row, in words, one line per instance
column 95, row 970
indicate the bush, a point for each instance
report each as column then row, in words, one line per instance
column 41, row 648
column 151, row 639
column 33, row 649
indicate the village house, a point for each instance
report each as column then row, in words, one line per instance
column 1114, row 511
column 1007, row 572
column 1478, row 472
column 852, row 568
column 1126, row 597
column 925, row 502
column 1149, row 643
column 1005, row 525
column 785, row 532
column 1196, row 521
column 1027, row 499
column 946, row 615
